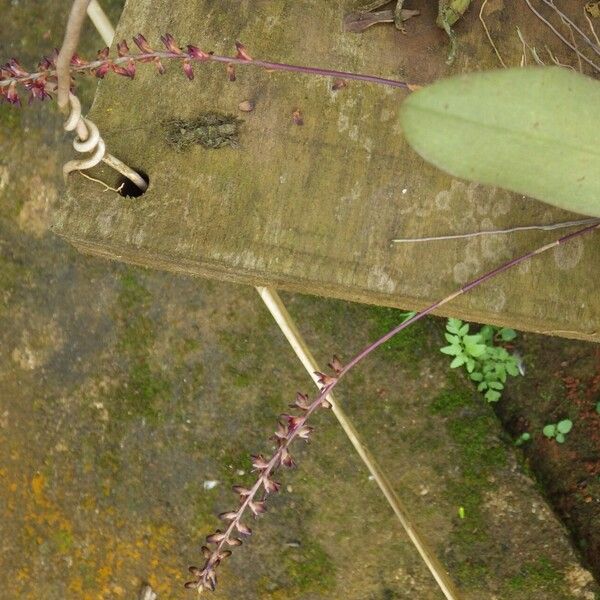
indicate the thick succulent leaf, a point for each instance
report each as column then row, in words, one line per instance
column 534, row 131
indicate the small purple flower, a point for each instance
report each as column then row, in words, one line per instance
column 242, row 52
column 12, row 96
column 187, row 69
column 169, row 42
column 128, row 71
column 122, row 48
column 77, row 61
column 196, row 54
column 141, row 42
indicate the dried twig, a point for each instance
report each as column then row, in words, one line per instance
column 55, row 74
column 592, row 28
column 462, row 236
column 556, row 61
column 560, row 36
column 101, row 22
column 571, row 24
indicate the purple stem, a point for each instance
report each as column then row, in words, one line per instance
column 469, row 286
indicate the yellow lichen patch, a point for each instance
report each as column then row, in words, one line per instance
column 76, row 586
column 37, row 485
column 44, row 519
column 109, row 565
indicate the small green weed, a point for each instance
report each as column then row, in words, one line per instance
column 524, row 437
column 559, row 430
column 487, row 364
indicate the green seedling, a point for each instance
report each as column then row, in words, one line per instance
column 488, row 365
column 558, row 431
column 524, row 437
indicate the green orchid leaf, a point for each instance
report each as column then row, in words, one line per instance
column 533, row 131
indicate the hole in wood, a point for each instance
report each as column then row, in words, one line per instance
column 128, row 189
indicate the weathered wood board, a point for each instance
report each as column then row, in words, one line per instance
column 314, row 208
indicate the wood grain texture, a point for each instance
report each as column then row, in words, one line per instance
column 313, row 208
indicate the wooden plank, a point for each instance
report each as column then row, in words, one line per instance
column 314, row 208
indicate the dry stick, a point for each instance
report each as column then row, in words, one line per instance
column 206, row 577
column 525, row 48
column 101, row 22
column 107, row 33
column 571, row 23
column 461, row 236
column 592, row 29
column 560, row 36
column 534, row 53
column 556, row 61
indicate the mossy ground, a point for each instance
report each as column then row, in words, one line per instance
column 563, row 381
column 124, row 393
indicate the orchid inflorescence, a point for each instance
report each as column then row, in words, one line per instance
column 289, row 428
column 42, row 83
